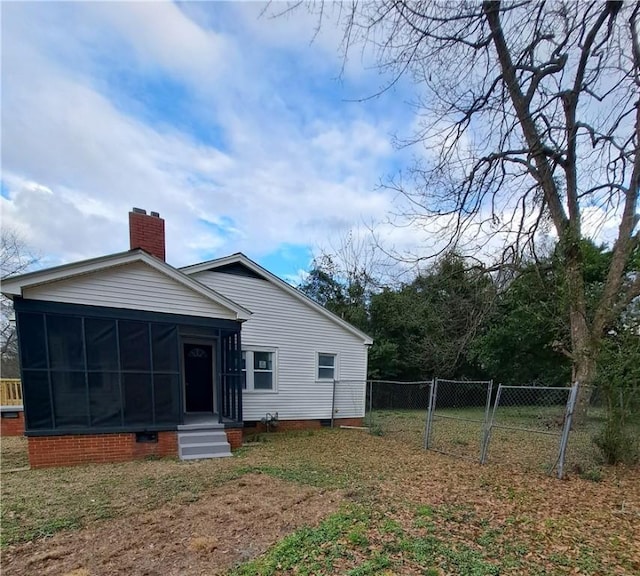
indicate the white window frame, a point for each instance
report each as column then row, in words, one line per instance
column 335, row 366
column 249, row 351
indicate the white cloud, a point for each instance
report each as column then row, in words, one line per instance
column 296, row 278
column 161, row 35
column 75, row 161
column 313, row 31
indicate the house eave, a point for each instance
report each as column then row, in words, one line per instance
column 241, row 258
column 14, row 286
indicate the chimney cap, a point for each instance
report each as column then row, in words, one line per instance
column 138, row 211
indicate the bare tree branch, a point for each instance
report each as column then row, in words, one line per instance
column 15, row 258
column 527, row 119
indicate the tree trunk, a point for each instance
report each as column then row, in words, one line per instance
column 584, row 343
column 585, row 373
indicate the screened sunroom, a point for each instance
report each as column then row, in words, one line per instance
column 125, row 343
column 89, row 369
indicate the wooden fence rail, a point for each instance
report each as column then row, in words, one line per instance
column 10, row 392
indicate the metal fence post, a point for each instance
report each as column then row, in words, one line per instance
column 432, row 395
column 485, row 431
column 333, row 402
column 493, row 418
column 564, row 439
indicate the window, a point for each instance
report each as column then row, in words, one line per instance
column 136, row 398
column 198, row 353
column 258, row 370
column 35, row 386
column 164, row 342
column 104, row 398
column 326, row 366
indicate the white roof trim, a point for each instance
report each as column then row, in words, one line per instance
column 264, row 273
column 14, row 285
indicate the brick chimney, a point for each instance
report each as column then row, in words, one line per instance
column 146, row 231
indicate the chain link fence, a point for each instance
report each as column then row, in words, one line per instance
column 582, row 452
column 528, row 427
column 398, row 410
column 458, row 416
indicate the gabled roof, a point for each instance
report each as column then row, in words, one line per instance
column 240, row 258
column 14, row 285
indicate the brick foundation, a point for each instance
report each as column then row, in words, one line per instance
column 348, row 422
column 234, row 437
column 12, row 426
column 47, row 451
column 289, row 425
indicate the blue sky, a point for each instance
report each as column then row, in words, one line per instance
column 236, row 127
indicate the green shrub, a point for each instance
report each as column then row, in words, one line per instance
column 617, row 443
column 619, row 382
column 593, row 475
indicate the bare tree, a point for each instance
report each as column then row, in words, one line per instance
column 15, row 258
column 359, row 258
column 530, row 122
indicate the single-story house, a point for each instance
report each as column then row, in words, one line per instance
column 125, row 356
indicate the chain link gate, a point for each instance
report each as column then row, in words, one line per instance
column 529, row 427
column 524, row 426
column 457, row 417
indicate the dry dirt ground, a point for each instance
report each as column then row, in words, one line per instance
column 235, row 522
column 401, row 510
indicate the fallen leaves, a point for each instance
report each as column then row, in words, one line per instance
column 427, row 513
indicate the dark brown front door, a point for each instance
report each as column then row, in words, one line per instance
column 198, row 377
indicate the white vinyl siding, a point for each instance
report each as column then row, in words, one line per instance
column 134, row 286
column 300, row 334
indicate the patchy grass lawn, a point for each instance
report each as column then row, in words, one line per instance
column 14, row 453
column 389, row 508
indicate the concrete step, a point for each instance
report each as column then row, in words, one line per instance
column 200, row 441
column 201, row 436
column 205, row 456
column 205, row 448
column 201, row 426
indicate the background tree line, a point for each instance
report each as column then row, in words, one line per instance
column 460, row 319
